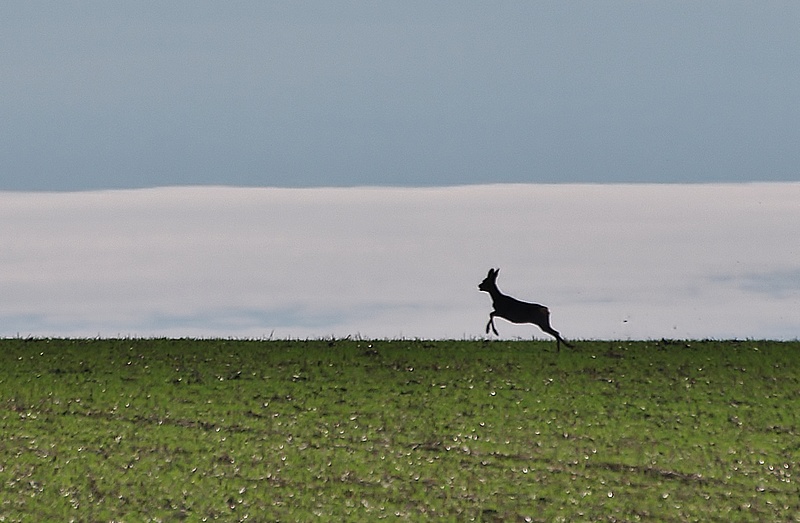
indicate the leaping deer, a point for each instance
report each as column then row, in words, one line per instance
column 517, row 311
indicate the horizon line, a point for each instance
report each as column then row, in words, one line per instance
column 398, row 187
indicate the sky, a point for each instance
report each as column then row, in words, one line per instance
column 611, row 261
column 306, row 169
column 118, row 95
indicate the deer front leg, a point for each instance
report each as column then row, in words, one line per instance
column 491, row 324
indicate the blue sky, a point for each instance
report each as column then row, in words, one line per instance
column 97, row 95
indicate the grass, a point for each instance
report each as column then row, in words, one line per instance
column 353, row 430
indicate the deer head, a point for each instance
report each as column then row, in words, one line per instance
column 490, row 281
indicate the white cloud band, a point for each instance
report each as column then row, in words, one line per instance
column 611, row 261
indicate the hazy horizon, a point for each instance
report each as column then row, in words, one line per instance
column 625, row 261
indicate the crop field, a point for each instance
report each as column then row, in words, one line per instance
column 358, row 430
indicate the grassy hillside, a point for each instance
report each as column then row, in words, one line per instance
column 166, row 430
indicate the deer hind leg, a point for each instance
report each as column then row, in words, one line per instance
column 559, row 340
column 545, row 326
column 554, row 333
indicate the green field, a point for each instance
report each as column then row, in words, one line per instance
column 353, row 430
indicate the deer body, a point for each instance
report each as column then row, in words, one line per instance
column 517, row 311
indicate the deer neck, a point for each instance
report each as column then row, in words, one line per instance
column 495, row 293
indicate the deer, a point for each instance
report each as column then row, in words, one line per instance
column 517, row 311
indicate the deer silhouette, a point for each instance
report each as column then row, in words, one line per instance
column 517, row 311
